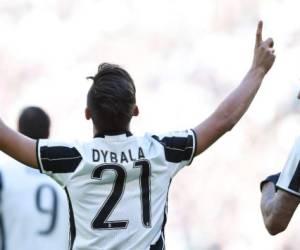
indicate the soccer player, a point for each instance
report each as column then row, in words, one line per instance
column 281, row 193
column 118, row 183
column 33, row 208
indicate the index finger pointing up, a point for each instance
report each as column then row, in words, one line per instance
column 259, row 33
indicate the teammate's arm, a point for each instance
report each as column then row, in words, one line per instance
column 236, row 104
column 18, row 146
column 277, row 208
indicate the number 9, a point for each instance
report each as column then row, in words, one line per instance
column 50, row 211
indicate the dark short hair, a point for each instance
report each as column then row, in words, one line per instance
column 34, row 123
column 111, row 98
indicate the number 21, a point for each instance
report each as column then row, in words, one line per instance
column 101, row 219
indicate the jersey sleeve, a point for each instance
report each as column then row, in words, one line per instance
column 289, row 179
column 58, row 160
column 179, row 148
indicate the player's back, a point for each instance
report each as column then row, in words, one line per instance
column 117, row 187
column 34, row 210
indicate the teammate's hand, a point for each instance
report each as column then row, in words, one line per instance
column 263, row 52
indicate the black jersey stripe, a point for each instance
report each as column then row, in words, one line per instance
column 177, row 149
column 2, row 229
column 160, row 243
column 295, row 182
column 37, row 155
column 60, row 159
column 72, row 221
column 2, row 233
column 1, row 185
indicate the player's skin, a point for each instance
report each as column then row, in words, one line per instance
column 277, row 208
column 222, row 120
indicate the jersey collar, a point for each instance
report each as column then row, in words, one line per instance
column 102, row 135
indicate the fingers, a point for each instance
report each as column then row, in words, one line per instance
column 259, row 34
column 272, row 51
column 264, row 56
column 269, row 43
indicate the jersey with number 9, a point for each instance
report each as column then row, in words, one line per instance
column 34, row 210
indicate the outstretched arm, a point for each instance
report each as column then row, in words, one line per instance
column 236, row 104
column 277, row 208
column 18, row 146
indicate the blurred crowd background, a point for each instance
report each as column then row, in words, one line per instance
column 185, row 57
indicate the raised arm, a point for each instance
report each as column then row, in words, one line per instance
column 236, row 104
column 18, row 146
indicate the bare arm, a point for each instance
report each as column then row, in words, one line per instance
column 18, row 146
column 277, row 208
column 236, row 104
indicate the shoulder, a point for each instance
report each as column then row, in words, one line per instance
column 58, row 143
column 178, row 146
column 59, row 148
column 183, row 138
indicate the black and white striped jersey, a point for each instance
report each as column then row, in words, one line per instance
column 33, row 210
column 117, row 186
column 289, row 179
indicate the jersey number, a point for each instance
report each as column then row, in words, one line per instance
column 101, row 219
column 51, row 211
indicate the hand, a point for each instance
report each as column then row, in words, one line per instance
column 263, row 52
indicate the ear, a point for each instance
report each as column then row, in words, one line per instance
column 298, row 96
column 135, row 111
column 88, row 113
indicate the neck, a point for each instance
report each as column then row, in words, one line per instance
column 97, row 131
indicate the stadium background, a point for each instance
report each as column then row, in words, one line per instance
column 185, row 56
